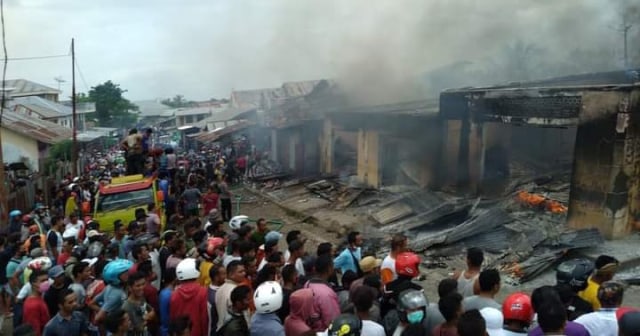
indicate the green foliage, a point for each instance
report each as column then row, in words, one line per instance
column 112, row 109
column 61, row 151
column 178, row 101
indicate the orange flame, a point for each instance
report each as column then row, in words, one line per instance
column 539, row 201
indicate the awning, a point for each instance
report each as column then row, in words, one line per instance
column 220, row 132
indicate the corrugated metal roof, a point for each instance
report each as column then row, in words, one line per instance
column 218, row 133
column 228, row 114
column 194, row 111
column 38, row 129
column 23, row 87
column 45, row 108
column 427, row 107
column 153, row 108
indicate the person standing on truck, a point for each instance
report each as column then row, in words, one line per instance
column 132, row 146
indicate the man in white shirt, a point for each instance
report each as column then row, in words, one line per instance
column 603, row 322
column 362, row 298
column 388, row 267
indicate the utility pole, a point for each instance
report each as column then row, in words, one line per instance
column 74, row 150
column 625, row 33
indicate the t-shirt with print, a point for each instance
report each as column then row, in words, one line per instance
column 136, row 311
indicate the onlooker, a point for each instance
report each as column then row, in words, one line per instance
column 545, row 296
column 189, row 298
column 629, row 323
column 180, row 326
column 450, row 307
column 191, row 197
column 153, row 220
column 467, row 279
column 489, row 281
column 471, row 323
column 388, row 267
column 217, row 275
column 289, row 281
column 349, row 258
column 571, row 278
column 35, row 312
column 81, row 273
column 434, row 316
column 268, row 300
column 117, row 322
column 235, row 275
column 603, row 321
column 302, row 309
column 68, row 321
column 165, row 300
column 518, row 314
column 362, row 299
column 140, row 313
column 493, row 319
column 325, row 298
column 344, row 293
column 59, row 285
column 369, row 266
column 261, row 231
column 412, row 305
column 552, row 318
column 606, row 268
column 296, row 252
column 235, row 323
column 178, row 253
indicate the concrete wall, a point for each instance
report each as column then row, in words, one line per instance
column 605, row 182
column 15, row 146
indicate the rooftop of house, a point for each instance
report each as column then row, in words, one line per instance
column 35, row 128
column 23, row 87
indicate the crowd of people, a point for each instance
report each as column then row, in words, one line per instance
column 208, row 273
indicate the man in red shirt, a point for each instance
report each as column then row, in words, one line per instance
column 189, row 298
column 35, row 312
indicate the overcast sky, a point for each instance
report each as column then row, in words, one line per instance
column 206, row 48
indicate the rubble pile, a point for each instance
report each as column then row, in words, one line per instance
column 524, row 229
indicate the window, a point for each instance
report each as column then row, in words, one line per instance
column 124, row 200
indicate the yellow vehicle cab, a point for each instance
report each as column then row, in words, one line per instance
column 120, row 199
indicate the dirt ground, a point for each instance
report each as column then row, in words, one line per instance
column 255, row 207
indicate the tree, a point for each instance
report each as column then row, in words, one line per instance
column 178, row 101
column 112, row 109
column 60, row 151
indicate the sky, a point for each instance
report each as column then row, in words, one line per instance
column 206, row 48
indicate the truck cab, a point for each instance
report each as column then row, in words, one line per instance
column 120, row 199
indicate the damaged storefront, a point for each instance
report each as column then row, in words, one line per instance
column 393, row 144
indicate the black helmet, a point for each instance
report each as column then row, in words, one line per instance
column 345, row 325
column 574, row 273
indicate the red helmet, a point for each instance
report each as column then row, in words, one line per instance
column 209, row 247
column 517, row 306
column 407, row 264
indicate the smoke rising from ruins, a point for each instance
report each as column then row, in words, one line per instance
column 385, row 51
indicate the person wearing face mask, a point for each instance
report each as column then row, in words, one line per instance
column 411, row 307
column 35, row 312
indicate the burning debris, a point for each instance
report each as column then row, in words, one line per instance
column 538, row 201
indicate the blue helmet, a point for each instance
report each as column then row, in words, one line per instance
column 112, row 271
column 15, row 213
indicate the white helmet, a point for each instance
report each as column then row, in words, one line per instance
column 268, row 297
column 40, row 263
column 238, row 221
column 187, row 270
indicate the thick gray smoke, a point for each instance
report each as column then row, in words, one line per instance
column 382, row 51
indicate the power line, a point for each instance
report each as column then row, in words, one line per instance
column 84, row 82
column 36, row 57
